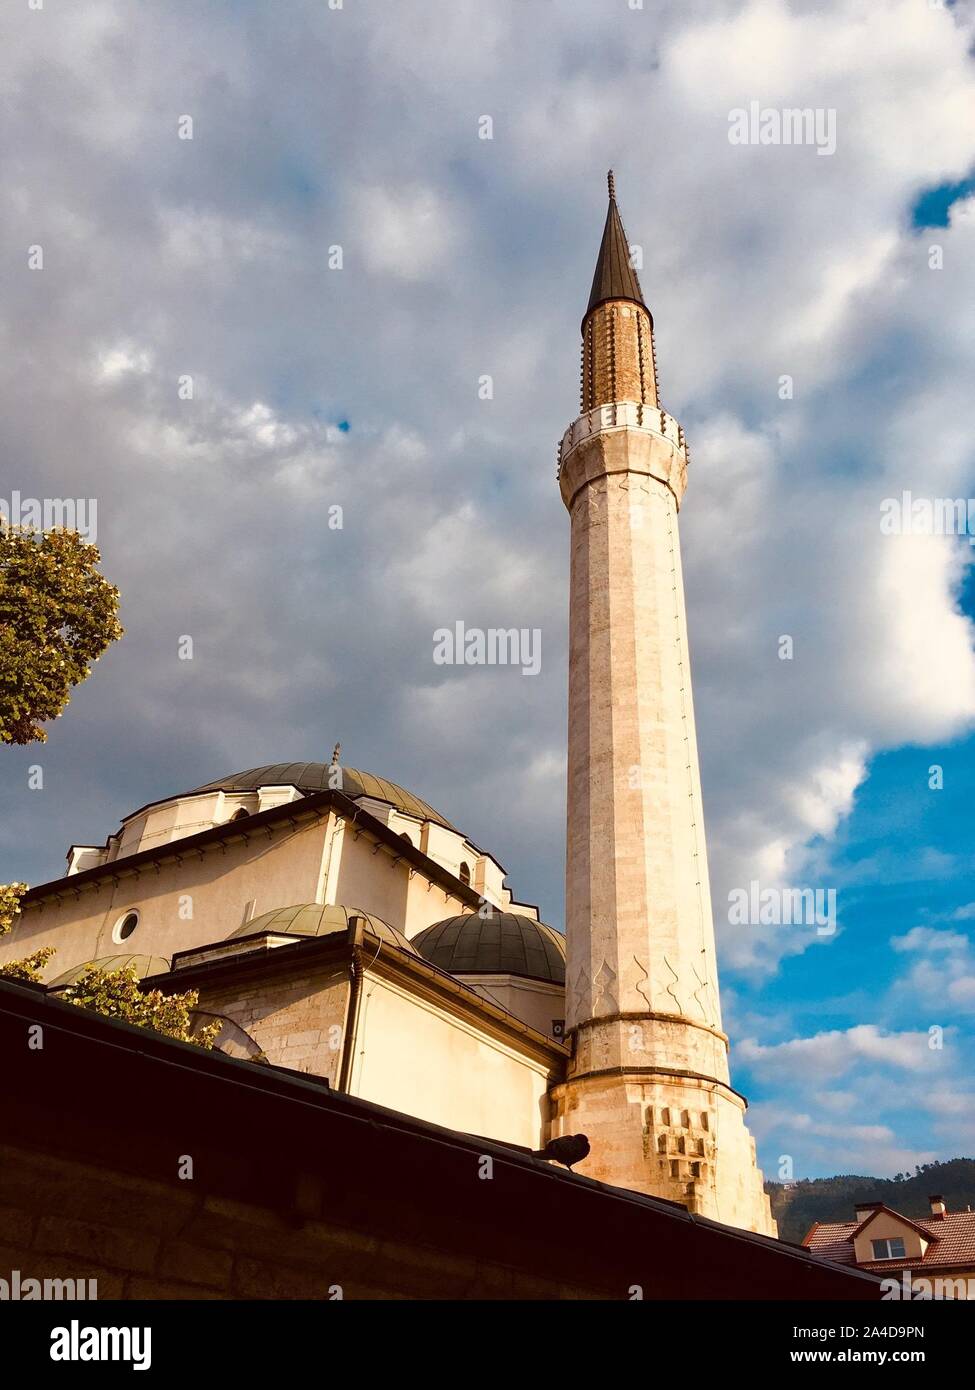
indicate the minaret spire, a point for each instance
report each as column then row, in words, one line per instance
column 615, row 277
column 617, row 332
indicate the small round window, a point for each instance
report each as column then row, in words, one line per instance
column 125, row 926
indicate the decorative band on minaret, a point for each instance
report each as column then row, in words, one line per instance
column 648, row 1081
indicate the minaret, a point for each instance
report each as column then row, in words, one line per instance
column 648, row 1081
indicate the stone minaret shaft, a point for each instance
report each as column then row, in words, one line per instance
column 648, row 1082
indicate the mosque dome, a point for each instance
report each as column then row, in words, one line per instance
column 502, row 943
column 320, row 919
column 142, row 965
column 315, row 777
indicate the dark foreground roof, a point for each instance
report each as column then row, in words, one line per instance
column 122, row 1099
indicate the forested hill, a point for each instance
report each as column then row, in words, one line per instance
column 795, row 1208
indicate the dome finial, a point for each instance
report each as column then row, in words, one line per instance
column 335, row 754
column 612, row 186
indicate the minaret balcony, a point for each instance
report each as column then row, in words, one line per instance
column 663, row 453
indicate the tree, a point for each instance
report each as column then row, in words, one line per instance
column 57, row 616
column 31, row 966
column 116, row 993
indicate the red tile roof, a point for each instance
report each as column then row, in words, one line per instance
column 952, row 1243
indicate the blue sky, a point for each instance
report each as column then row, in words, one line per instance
column 463, row 257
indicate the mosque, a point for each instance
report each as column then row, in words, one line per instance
column 342, row 928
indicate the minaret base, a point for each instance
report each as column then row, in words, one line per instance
column 677, row 1136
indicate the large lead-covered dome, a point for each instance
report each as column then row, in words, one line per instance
column 321, row 777
column 501, row 943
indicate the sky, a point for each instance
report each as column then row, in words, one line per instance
column 315, row 386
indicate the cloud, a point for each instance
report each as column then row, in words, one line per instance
column 831, row 1054
column 404, row 232
column 814, row 1146
column 941, row 977
column 930, row 939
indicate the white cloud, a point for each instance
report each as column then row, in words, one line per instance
column 404, row 232
column 831, row 1054
column 930, row 939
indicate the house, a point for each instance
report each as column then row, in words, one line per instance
column 930, row 1258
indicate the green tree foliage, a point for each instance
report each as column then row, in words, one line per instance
column 57, row 616
column 10, row 896
column 800, row 1204
column 116, row 994
column 30, row 967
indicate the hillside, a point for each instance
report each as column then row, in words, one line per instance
column 796, row 1207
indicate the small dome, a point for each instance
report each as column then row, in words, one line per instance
column 502, row 943
column 317, row 777
column 320, row 919
column 142, row 965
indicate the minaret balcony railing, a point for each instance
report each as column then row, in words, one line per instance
column 621, row 415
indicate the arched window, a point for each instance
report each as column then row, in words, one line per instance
column 240, row 814
column 125, row 926
column 465, row 873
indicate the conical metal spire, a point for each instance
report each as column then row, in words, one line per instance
column 615, row 278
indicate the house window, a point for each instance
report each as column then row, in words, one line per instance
column 888, row 1249
column 125, row 926
column 465, row 873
